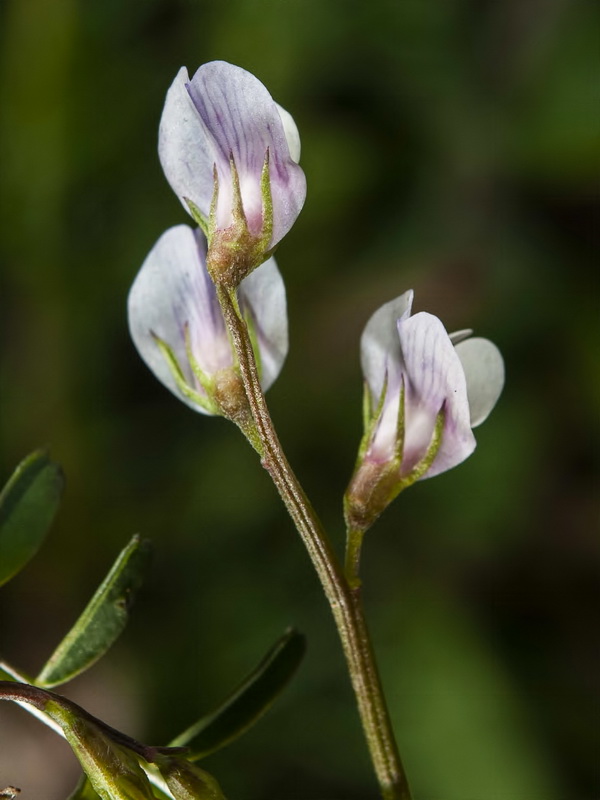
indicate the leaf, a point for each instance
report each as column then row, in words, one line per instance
column 113, row 771
column 28, row 504
column 249, row 701
column 107, row 757
column 102, row 620
column 8, row 672
column 84, row 790
column 112, row 760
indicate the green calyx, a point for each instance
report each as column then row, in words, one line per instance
column 370, row 419
column 197, row 216
column 234, row 252
column 224, row 393
column 376, row 484
column 421, row 468
column 204, row 401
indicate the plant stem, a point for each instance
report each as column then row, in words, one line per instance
column 345, row 602
column 354, row 540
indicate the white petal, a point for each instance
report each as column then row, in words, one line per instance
column 242, row 120
column 484, row 371
column 380, row 352
column 382, row 447
column 263, row 293
column 291, row 133
column 435, row 379
column 184, row 148
column 171, row 289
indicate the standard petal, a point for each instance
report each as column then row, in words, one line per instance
column 435, row 380
column 172, row 290
column 380, row 353
column 484, row 370
column 242, row 120
column 184, row 147
column 262, row 293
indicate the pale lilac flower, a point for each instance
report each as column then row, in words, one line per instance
column 425, row 391
column 225, row 118
column 176, row 322
column 414, row 356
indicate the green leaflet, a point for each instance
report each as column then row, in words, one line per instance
column 84, row 790
column 110, row 759
column 102, row 620
column 113, row 771
column 248, row 702
column 28, row 504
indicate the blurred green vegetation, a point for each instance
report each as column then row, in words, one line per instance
column 450, row 146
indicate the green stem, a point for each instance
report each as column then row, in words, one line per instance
column 344, row 601
column 354, row 540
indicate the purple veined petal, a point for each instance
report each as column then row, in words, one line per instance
column 242, row 120
column 484, row 371
column 434, row 379
column 263, row 294
column 185, row 150
column 173, row 289
column 235, row 116
column 380, row 352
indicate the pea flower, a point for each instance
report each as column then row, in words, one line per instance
column 177, row 326
column 230, row 154
column 425, row 390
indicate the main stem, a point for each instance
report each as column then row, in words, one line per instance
column 345, row 602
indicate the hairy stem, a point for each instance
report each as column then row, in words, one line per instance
column 345, row 602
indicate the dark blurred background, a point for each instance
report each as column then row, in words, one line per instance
column 450, row 146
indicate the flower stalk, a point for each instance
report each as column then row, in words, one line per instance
column 354, row 540
column 344, row 598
